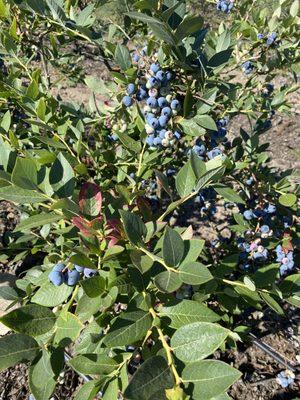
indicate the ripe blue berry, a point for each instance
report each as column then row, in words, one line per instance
column 72, row 277
column 264, row 229
column 214, row 153
column 166, row 111
column 260, row 36
column 162, row 133
column 149, row 140
column 162, row 102
column 88, row 272
column 248, row 214
column 177, row 135
column 154, row 67
column 153, row 82
column 152, row 102
column 153, row 122
column 127, row 101
column 130, row 89
column 163, row 121
column 157, row 141
column 141, row 94
column 175, row 104
column 160, row 75
column 58, row 267
column 78, row 268
column 56, row 278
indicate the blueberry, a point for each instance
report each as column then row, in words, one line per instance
column 175, row 104
column 149, row 140
column 168, row 76
column 162, row 102
column 214, row 153
column 152, row 102
column 127, row 101
column 56, row 277
column 160, row 75
column 163, row 121
column 58, row 267
column 72, row 277
column 260, row 36
column 153, row 122
column 270, row 209
column 141, row 94
column 135, row 57
column 177, row 135
column 153, row 82
column 162, row 133
column 149, row 117
column 248, row 214
column 130, row 89
column 78, row 268
column 157, row 141
column 154, row 67
column 88, row 272
column 166, row 111
column 265, row 229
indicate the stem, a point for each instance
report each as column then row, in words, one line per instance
column 237, row 283
column 154, row 258
column 168, row 350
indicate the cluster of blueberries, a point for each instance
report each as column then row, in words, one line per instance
column 153, row 89
column 268, row 210
column 247, row 67
column 205, row 199
column 61, row 274
column 270, row 38
column 225, row 5
column 216, row 138
column 286, row 259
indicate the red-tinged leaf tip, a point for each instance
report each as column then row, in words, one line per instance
column 82, row 224
column 90, row 199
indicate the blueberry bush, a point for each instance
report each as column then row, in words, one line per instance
column 139, row 301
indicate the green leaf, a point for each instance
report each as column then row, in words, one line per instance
column 94, row 364
column 122, row 57
column 24, row 174
column 41, row 377
column 210, row 378
column 185, row 180
column 198, row 166
column 294, row 8
column 8, row 293
column 37, row 220
column 61, row 177
column 191, row 128
column 128, row 329
column 68, row 328
column 288, row 199
column 31, row 319
column 206, row 122
column 272, row 303
column 189, row 25
column 228, row 193
column 93, row 286
column 209, row 176
column 192, row 250
column 163, row 180
column 195, row 341
column 41, row 109
column 135, row 228
column 130, row 143
column 21, row 196
column 173, row 247
column 153, row 376
column 6, row 120
column 290, row 285
column 167, row 281
column 187, row 312
column 194, row 273
column 88, row 391
column 50, row 295
column 17, row 348
column 141, row 261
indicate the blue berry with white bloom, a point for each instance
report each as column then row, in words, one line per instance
column 154, row 67
column 166, row 111
column 162, row 102
column 248, row 214
column 152, row 102
column 265, row 229
column 160, row 75
column 175, row 105
column 130, row 89
column 163, row 121
column 153, row 122
column 127, row 101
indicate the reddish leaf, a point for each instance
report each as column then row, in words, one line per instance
column 83, row 225
column 90, row 199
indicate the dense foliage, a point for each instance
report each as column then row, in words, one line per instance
column 139, row 301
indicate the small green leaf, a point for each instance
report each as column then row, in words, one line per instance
column 24, row 174
column 173, row 247
column 37, row 221
column 94, row 364
column 31, row 319
column 128, row 329
column 288, row 199
column 61, row 177
column 50, row 295
column 194, row 273
column 195, row 341
column 94, row 286
column 68, row 328
column 130, row 143
column 210, row 378
column 185, row 180
column 135, row 228
column 122, row 57
column 187, row 312
column 16, row 348
column 205, row 121
column 41, row 377
column 167, row 281
column 152, row 377
column 228, row 193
